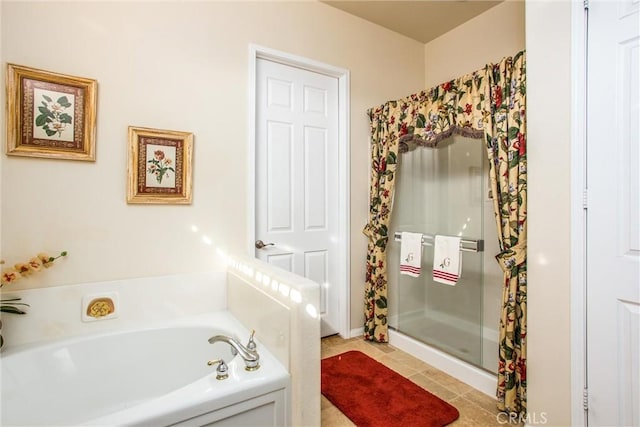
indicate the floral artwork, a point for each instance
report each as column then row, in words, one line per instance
column 50, row 115
column 159, row 166
column 55, row 115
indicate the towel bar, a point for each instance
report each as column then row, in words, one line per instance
column 466, row 245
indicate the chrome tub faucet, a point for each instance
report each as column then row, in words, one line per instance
column 248, row 353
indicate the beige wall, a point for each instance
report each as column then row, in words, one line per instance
column 488, row 37
column 549, row 242
column 181, row 66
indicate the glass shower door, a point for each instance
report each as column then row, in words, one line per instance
column 440, row 191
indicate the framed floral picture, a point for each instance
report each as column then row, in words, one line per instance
column 159, row 166
column 50, row 115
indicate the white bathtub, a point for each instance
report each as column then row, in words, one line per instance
column 153, row 376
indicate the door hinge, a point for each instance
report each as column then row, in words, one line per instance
column 586, row 4
column 585, row 399
column 585, row 200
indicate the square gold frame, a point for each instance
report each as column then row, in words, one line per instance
column 42, row 106
column 155, row 155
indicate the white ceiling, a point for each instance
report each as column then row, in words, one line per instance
column 421, row 20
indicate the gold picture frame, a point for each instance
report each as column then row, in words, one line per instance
column 50, row 115
column 159, row 166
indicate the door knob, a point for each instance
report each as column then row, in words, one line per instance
column 260, row 244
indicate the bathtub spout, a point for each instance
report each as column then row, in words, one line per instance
column 250, row 356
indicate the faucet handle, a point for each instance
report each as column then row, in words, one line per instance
column 222, row 371
column 251, row 345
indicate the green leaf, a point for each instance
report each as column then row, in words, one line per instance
column 47, row 98
column 420, row 123
column 44, row 110
column 11, row 299
column 41, row 120
column 50, row 132
column 392, row 158
column 65, row 118
column 11, row 309
column 64, row 101
column 381, row 302
column 511, row 383
column 513, row 132
column 513, row 163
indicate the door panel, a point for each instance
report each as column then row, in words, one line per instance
column 297, row 191
column 613, row 236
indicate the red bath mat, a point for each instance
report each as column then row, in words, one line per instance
column 372, row 395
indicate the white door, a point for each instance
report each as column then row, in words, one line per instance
column 297, row 177
column 613, row 214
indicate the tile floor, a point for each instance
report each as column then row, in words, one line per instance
column 476, row 408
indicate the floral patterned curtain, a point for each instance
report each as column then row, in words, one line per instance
column 488, row 103
column 506, row 148
column 384, row 154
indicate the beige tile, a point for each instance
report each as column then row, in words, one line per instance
column 397, row 366
column 433, row 387
column 382, row 347
column 332, row 417
column 450, row 382
column 325, row 403
column 472, row 414
column 487, row 403
column 412, row 362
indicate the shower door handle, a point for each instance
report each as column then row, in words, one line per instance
column 260, row 244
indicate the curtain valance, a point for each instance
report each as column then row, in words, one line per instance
column 428, row 117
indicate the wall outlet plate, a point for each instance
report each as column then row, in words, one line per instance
column 100, row 306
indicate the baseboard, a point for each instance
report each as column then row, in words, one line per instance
column 356, row 332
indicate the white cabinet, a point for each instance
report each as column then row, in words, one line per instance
column 267, row 410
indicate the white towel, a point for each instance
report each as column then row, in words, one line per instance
column 410, row 254
column 447, row 262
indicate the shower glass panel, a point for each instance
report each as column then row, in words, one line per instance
column 441, row 191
